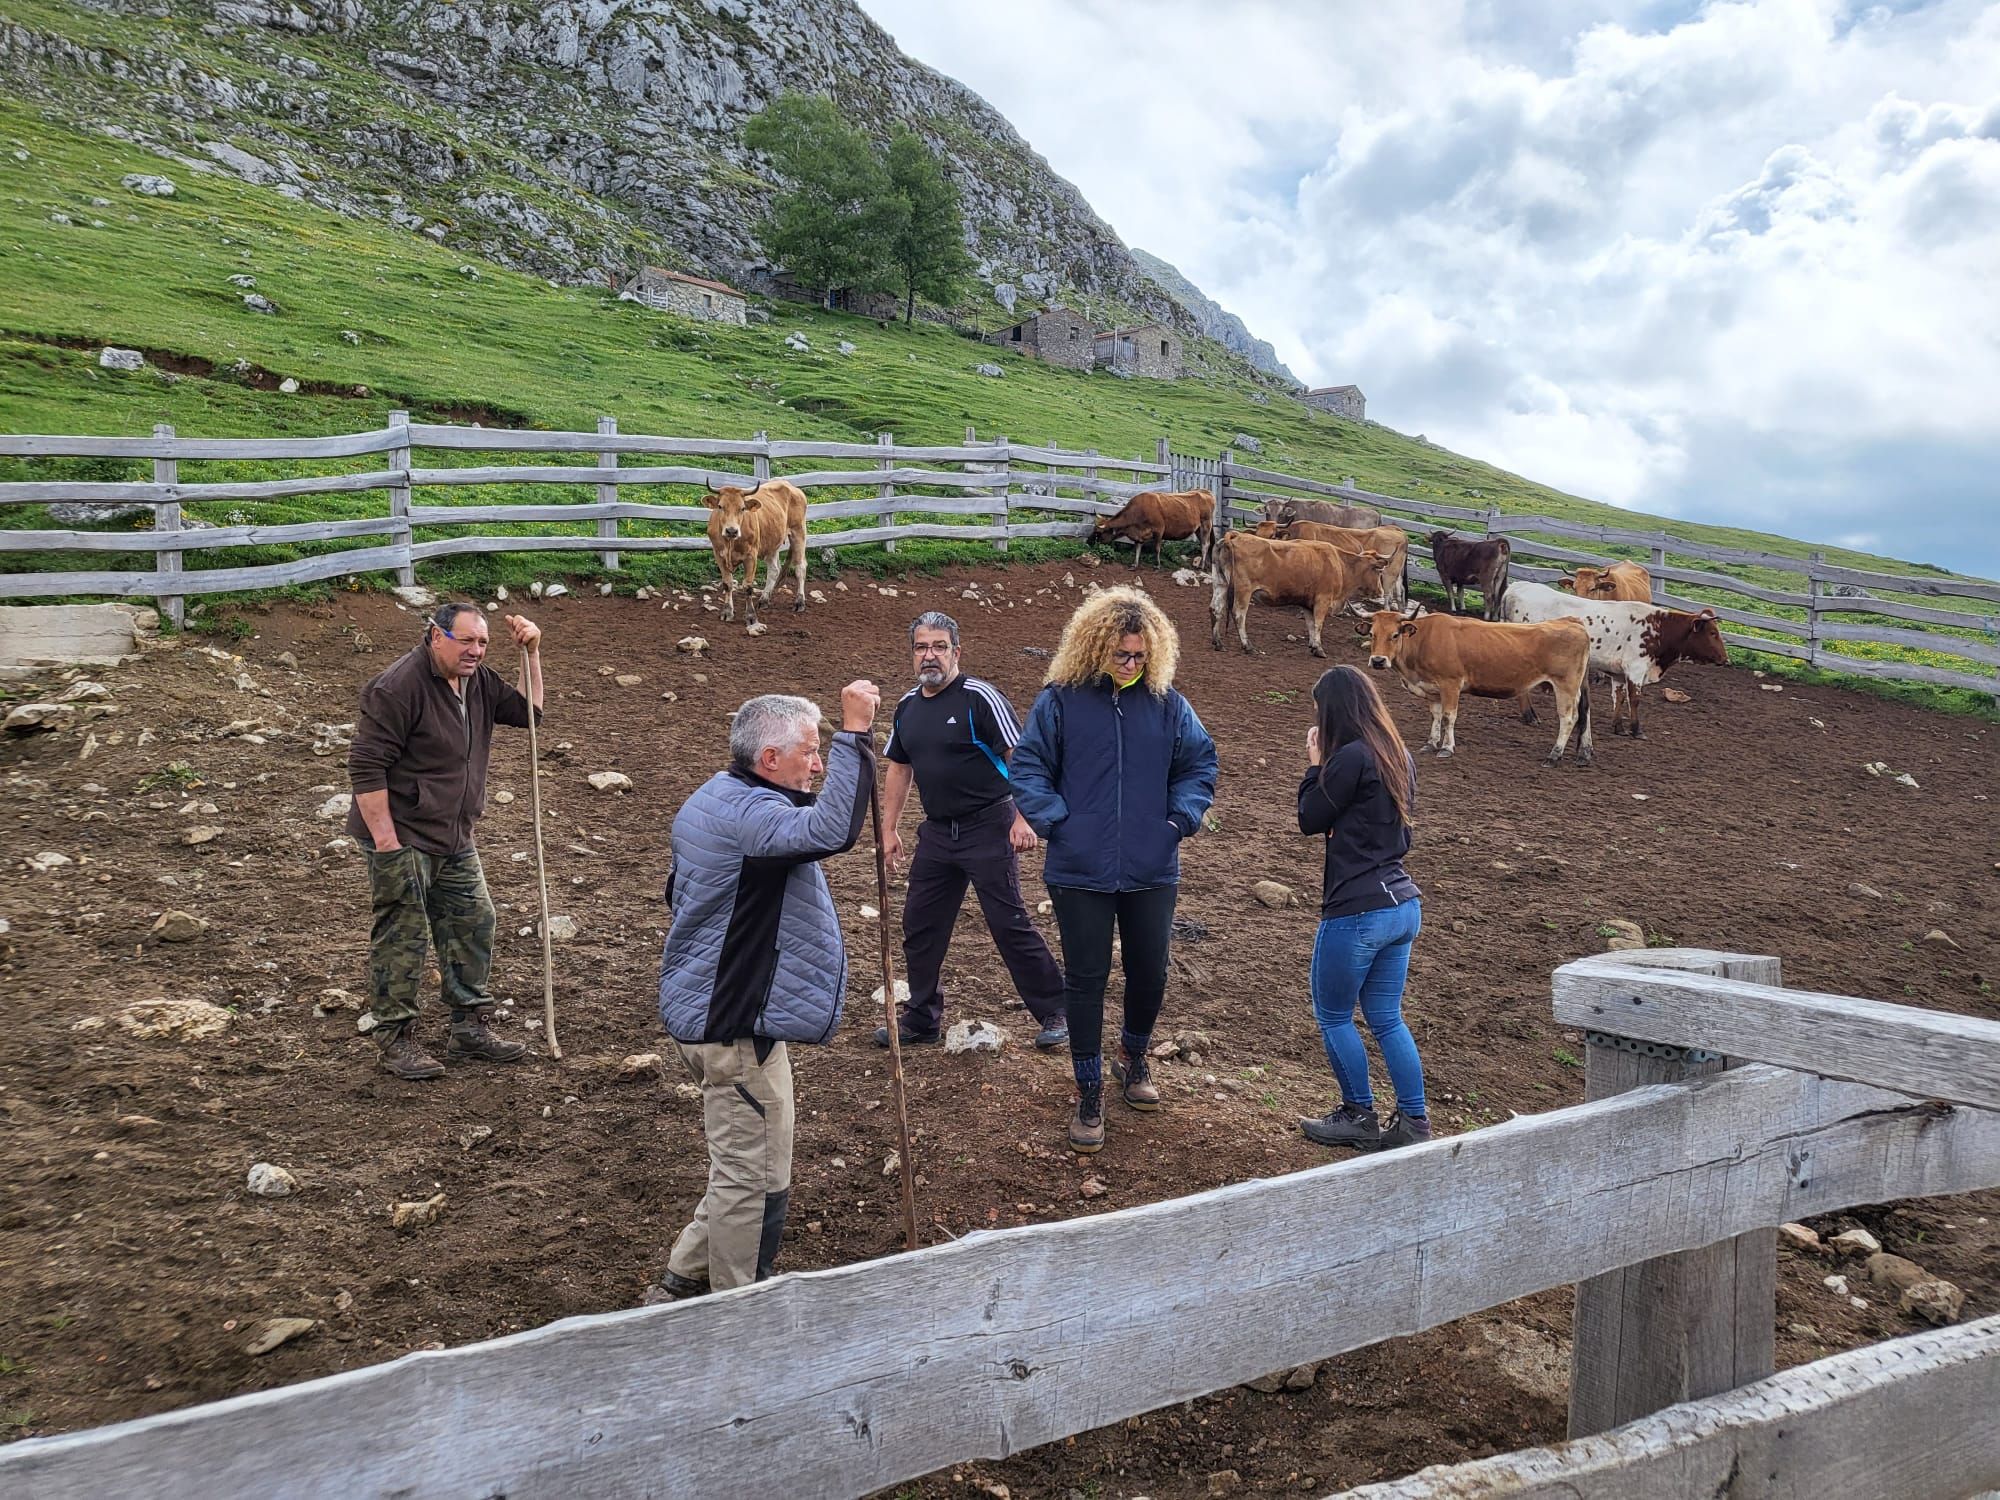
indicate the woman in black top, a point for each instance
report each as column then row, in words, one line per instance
column 1360, row 793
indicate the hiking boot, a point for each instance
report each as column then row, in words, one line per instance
column 471, row 1038
column 672, row 1288
column 1405, row 1130
column 1052, row 1037
column 1137, row 1076
column 404, row 1056
column 906, row 1037
column 1349, row 1125
column 1086, row 1126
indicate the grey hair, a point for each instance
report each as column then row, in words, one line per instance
column 768, row 720
column 445, row 617
column 935, row 619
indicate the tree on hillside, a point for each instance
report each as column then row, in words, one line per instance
column 928, row 248
column 834, row 224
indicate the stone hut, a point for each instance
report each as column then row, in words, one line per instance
column 1056, row 336
column 1151, row 349
column 1341, row 400
column 690, row 296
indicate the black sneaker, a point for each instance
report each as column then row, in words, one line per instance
column 672, row 1288
column 1349, row 1125
column 907, row 1037
column 1052, row 1037
column 1405, row 1130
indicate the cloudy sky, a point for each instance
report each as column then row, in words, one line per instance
column 1738, row 262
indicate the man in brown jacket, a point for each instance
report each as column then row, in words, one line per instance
column 418, row 768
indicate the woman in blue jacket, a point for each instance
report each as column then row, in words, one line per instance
column 1359, row 793
column 1113, row 770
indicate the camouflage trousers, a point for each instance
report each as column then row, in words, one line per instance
column 422, row 899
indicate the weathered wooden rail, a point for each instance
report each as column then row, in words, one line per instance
column 843, row 1381
column 988, row 491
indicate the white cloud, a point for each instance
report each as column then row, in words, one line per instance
column 1734, row 260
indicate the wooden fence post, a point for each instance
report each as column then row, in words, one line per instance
column 1222, row 483
column 1164, row 456
column 607, row 494
column 1815, row 589
column 1006, row 482
column 167, row 518
column 1682, row 1326
column 399, row 498
column 1659, row 562
column 888, row 490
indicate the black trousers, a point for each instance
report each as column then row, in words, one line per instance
column 1145, row 921
column 950, row 854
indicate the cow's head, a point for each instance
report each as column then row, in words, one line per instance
column 1373, row 565
column 1704, row 640
column 1387, row 630
column 1268, row 527
column 1436, row 539
column 1582, row 582
column 1603, row 586
column 729, row 505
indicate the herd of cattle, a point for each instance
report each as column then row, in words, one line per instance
column 1329, row 559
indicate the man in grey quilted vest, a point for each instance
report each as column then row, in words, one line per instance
column 754, row 960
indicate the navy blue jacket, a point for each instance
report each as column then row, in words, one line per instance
column 1114, row 780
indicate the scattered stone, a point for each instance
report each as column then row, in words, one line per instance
column 120, row 359
column 611, row 781
column 1874, row 767
column 247, row 283
column 693, row 645
column 628, row 679
column 366, row 1022
column 1938, row 936
column 1855, row 1243
column 289, row 386
column 1187, row 578
column 797, row 343
column 1246, row 442
column 969, row 1036
column 1837, row 1285
column 1224, row 1482
column 690, row 1091
column 1044, row 906
column 1803, row 1331
column 1798, row 1236
column 268, row 1181
column 759, row 628
column 1622, row 935
column 177, row 927
column 349, row 336
column 288, row 661
column 148, row 186
column 257, row 302
column 562, row 928
column 992, row 371
column 39, row 716
column 1273, row 894
column 1302, row 1378
column 845, row 347
column 48, row 859
column 201, row 834
column 333, row 1000
column 555, row 591
column 472, row 1135
column 1771, row 687
column 407, row 1218
column 415, row 595
column 1675, row 695
column 1906, row 779
column 503, row 798
column 892, row 1163
column 902, row 993
column 1934, row 1300
column 1093, row 1187
column 1267, row 1385
column 1893, row 1271
column 182, row 1020
column 1865, row 892
column 279, row 1331
column 470, row 273
column 639, row 1065
column 335, row 806
column 137, row 1124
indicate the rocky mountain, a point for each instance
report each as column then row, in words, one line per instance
column 1211, row 319
column 573, row 138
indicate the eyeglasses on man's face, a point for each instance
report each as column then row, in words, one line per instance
column 941, row 649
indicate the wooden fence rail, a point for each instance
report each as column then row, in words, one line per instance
column 841, row 1382
column 1002, row 489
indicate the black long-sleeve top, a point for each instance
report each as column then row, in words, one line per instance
column 1365, row 837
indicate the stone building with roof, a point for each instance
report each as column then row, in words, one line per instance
column 690, row 296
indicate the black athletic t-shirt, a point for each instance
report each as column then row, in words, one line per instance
column 956, row 743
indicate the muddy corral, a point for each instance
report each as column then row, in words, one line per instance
column 137, row 1268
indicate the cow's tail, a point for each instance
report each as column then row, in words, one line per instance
column 1406, row 577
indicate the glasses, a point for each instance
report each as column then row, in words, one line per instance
column 932, row 650
column 1128, row 658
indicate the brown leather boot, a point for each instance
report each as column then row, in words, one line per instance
column 471, row 1038
column 1086, row 1126
column 404, row 1056
column 1137, row 1076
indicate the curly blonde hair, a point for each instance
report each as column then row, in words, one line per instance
column 1100, row 622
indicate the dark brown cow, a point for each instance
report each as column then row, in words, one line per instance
column 1462, row 564
column 748, row 526
column 1284, row 512
column 1391, row 541
column 1159, row 517
column 1315, row 574
column 1440, row 657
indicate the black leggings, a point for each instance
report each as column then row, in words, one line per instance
column 1145, row 921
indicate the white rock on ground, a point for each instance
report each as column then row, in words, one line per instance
column 902, row 993
column 972, row 1036
column 182, row 1020
column 120, row 359
column 562, row 927
column 268, row 1181
column 1855, row 1242
column 611, row 781
column 276, row 1331
column 335, row 806
column 177, row 927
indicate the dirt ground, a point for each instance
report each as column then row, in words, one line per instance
column 134, row 1265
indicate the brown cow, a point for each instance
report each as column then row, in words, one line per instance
column 1315, row 574
column 1391, row 541
column 1441, row 656
column 748, row 526
column 1284, row 512
column 1159, row 517
column 1622, row 580
column 1463, row 564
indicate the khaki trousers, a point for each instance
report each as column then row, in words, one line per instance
column 746, row 1112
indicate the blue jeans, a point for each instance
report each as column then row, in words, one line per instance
column 1365, row 957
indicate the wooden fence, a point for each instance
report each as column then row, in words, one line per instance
column 993, row 491
column 1824, row 593
column 843, row 1381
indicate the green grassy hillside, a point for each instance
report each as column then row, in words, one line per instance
column 370, row 317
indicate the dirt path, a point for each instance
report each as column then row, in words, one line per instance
column 133, row 1264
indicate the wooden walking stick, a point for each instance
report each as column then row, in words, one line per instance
column 889, row 1008
column 541, row 866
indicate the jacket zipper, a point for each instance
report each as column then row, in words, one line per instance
column 1118, row 717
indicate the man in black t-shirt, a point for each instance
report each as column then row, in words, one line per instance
column 952, row 736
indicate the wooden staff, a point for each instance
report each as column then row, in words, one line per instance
column 889, row 1008
column 541, row 865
